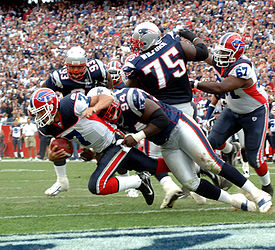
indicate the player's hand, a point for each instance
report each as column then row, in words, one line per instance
column 88, row 112
column 87, row 154
column 187, row 34
column 55, row 155
column 193, row 83
column 129, row 141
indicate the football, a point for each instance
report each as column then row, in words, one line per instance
column 63, row 143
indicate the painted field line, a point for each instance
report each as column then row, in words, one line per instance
column 115, row 213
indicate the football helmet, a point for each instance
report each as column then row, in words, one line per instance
column 76, row 63
column 114, row 68
column 230, row 48
column 145, row 36
column 43, row 106
column 112, row 113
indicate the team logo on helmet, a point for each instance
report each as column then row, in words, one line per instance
column 144, row 31
column 44, row 96
column 238, row 44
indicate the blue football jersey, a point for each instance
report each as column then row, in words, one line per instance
column 132, row 104
column 96, row 75
column 162, row 71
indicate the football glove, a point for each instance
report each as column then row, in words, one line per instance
column 187, row 34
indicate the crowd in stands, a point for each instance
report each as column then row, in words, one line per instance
column 35, row 38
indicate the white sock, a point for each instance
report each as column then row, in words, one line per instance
column 249, row 187
column 126, row 182
column 168, row 184
column 225, row 197
column 265, row 179
column 60, row 170
column 228, row 148
column 15, row 154
column 22, row 154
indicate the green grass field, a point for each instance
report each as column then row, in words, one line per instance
column 24, row 208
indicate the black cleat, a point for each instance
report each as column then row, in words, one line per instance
column 146, row 187
column 230, row 157
column 268, row 189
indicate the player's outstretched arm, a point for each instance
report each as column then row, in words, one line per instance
column 97, row 103
column 197, row 51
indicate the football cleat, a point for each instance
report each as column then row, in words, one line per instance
column 131, row 192
column 170, row 198
column 268, row 189
column 241, row 202
column 146, row 187
column 263, row 201
column 230, row 157
column 200, row 200
column 60, row 186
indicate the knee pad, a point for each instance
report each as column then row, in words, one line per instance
column 192, row 185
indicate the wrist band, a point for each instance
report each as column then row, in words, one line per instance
column 195, row 39
column 139, row 136
column 196, row 84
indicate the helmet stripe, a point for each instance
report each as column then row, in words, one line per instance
column 225, row 37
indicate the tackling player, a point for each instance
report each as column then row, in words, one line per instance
column 182, row 144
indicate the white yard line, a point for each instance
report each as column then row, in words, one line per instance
column 114, row 213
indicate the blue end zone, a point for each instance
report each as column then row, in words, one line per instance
column 227, row 236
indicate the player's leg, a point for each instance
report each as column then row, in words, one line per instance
column 255, row 133
column 103, row 181
column 171, row 189
column 202, row 153
column 62, row 182
column 244, row 161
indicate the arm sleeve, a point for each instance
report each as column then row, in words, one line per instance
column 201, row 52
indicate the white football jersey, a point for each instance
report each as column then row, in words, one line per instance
column 245, row 100
column 89, row 132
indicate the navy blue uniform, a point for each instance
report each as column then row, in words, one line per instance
column 96, row 75
column 162, row 71
column 134, row 102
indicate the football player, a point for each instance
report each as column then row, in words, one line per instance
column 65, row 118
column 182, row 144
column 159, row 66
column 79, row 74
column 247, row 104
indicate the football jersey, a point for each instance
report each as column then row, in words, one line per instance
column 89, row 132
column 96, row 75
column 243, row 100
column 132, row 105
column 162, row 71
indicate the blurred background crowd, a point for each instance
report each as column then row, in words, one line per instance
column 34, row 38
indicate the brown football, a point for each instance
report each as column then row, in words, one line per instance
column 63, row 143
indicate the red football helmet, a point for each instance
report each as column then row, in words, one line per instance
column 114, row 68
column 231, row 47
column 46, row 100
column 112, row 113
column 76, row 63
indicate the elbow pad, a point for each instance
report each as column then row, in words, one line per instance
column 159, row 119
column 201, row 52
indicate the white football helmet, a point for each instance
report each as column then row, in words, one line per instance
column 76, row 60
column 117, row 74
column 145, row 36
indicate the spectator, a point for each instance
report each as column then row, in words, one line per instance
column 29, row 132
